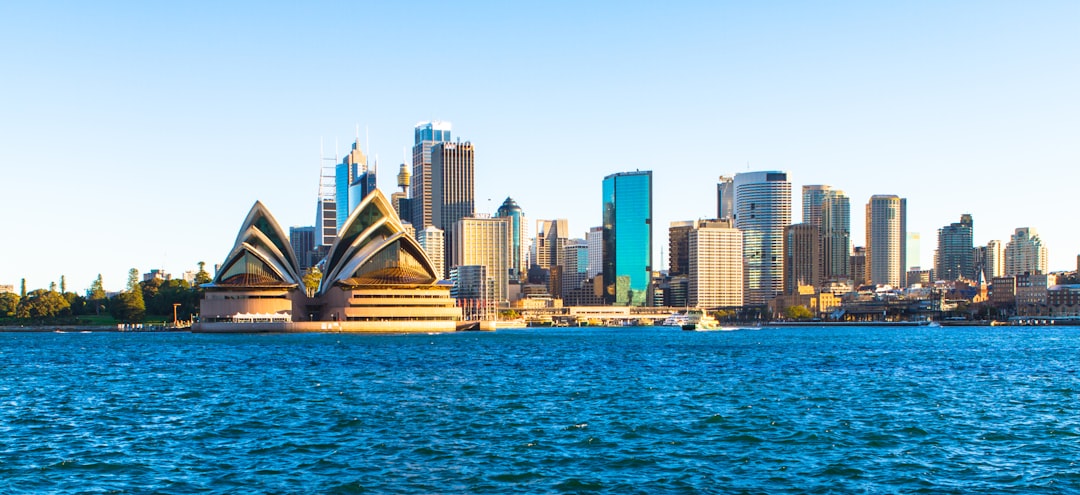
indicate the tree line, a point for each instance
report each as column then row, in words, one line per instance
column 139, row 299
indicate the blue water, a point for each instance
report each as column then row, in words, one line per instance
column 638, row 410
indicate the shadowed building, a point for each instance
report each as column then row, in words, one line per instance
column 956, row 251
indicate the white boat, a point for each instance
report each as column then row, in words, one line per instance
column 675, row 320
column 699, row 319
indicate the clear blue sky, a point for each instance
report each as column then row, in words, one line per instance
column 138, row 134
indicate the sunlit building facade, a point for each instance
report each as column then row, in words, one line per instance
column 762, row 212
column 627, row 234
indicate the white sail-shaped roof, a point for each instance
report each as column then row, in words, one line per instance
column 261, row 256
column 373, row 248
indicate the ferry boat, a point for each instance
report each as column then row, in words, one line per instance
column 699, row 319
column 675, row 320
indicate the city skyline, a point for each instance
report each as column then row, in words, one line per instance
column 121, row 121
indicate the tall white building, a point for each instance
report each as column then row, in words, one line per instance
column 433, row 241
column 551, row 238
column 594, row 238
column 762, row 212
column 1025, row 253
column 995, row 259
column 716, row 265
column 487, row 242
column 886, row 239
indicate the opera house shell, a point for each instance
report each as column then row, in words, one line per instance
column 376, row 278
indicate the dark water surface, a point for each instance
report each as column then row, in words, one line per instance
column 638, row 410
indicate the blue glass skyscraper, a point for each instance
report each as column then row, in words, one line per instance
column 627, row 230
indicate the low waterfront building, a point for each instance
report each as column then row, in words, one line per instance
column 1031, row 293
column 376, row 279
column 1063, row 300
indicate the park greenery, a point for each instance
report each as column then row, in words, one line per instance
column 141, row 300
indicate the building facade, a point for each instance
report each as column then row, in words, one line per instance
column 425, row 136
column 486, row 242
column 830, row 210
column 594, row 238
column 433, row 240
column 762, row 212
column 715, row 274
column 802, row 257
column 1025, row 253
column 886, row 239
column 519, row 242
column 302, row 240
column 955, row 258
column 453, row 187
column 627, row 259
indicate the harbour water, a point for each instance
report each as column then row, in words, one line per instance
column 589, row 410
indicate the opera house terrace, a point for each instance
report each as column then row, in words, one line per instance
column 376, row 279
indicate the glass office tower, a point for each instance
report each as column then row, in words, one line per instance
column 627, row 253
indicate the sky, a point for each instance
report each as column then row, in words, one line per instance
column 139, row 134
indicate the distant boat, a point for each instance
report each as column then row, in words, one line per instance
column 699, row 319
column 675, row 320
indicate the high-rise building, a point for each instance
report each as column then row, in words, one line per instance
column 519, row 232
column 433, row 240
column 886, row 239
column 1025, row 253
column 326, row 221
column 427, row 135
column 679, row 248
column 994, row 261
column 802, row 257
column 627, row 214
column 858, row 266
column 400, row 199
column 487, row 242
column 725, row 198
column 551, row 239
column 955, row 251
column 762, row 211
column 715, row 274
column 302, row 240
column 594, row 238
column 830, row 210
column 453, row 187
column 352, row 181
column 576, row 265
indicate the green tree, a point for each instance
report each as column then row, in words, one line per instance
column 9, row 302
column 129, row 306
column 201, row 277
column 63, row 285
column 96, row 295
column 52, row 286
column 41, row 304
column 312, row 279
column 798, row 313
column 22, row 292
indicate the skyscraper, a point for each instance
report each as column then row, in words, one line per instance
column 400, row 199
column 486, row 241
column 886, row 239
column 426, row 135
column 994, row 261
column 802, row 257
column 725, row 198
column 551, row 239
column 627, row 258
column 955, row 251
column 594, row 238
column 519, row 233
column 1025, row 253
column 679, row 247
column 453, row 187
column 302, row 240
column 576, row 262
column 433, row 240
column 715, row 273
column 830, row 210
column 352, row 181
column 762, row 211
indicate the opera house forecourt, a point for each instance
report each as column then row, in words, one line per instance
column 376, row 278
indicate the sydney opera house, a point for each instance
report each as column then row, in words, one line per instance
column 376, row 278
